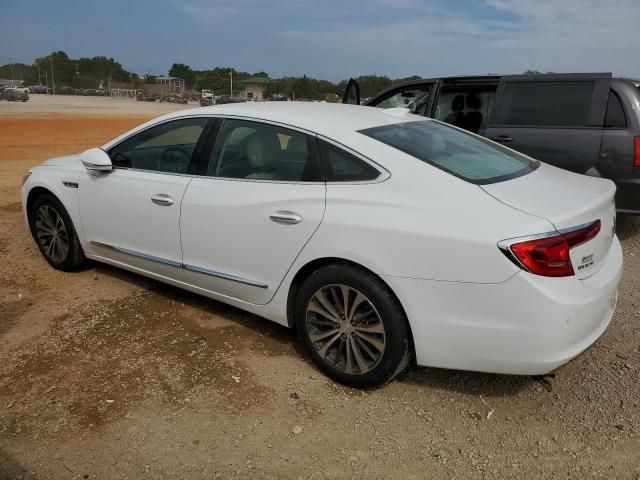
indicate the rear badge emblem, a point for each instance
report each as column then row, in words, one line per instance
column 586, row 262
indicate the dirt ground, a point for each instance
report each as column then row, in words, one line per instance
column 108, row 375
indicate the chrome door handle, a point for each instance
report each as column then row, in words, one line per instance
column 286, row 218
column 162, row 199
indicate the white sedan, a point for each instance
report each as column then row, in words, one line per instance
column 381, row 236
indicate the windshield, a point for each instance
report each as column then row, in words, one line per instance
column 459, row 153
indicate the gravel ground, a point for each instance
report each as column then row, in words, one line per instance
column 107, row 375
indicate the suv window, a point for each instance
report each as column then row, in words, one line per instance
column 615, row 113
column 261, row 151
column 166, row 148
column 341, row 166
column 560, row 104
column 459, row 153
column 415, row 98
column 465, row 107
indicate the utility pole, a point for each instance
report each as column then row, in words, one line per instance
column 39, row 78
column 11, row 67
column 231, row 92
column 53, row 82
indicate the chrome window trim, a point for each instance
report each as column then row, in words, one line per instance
column 173, row 263
column 384, row 173
column 505, row 245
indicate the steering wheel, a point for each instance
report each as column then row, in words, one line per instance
column 174, row 159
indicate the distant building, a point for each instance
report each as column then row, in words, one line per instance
column 256, row 88
column 176, row 83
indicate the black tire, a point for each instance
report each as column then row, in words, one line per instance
column 386, row 309
column 74, row 257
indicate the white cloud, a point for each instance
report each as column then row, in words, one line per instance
column 403, row 37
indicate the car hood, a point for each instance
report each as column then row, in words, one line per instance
column 66, row 161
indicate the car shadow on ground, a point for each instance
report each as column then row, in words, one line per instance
column 471, row 383
column 628, row 226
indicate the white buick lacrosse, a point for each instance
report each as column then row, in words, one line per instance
column 379, row 235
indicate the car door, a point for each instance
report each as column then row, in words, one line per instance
column 352, row 93
column 247, row 217
column 555, row 118
column 130, row 215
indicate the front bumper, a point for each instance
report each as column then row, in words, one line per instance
column 527, row 325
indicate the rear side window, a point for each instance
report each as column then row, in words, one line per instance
column 615, row 113
column 464, row 155
column 262, row 151
column 341, row 166
column 546, row 104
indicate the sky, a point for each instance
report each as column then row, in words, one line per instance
column 333, row 39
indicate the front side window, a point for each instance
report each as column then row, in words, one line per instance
column 168, row 147
column 261, row 151
column 415, row 99
column 462, row 154
column 546, row 104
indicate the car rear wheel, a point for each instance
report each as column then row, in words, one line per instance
column 352, row 325
column 55, row 234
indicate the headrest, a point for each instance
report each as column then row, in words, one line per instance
column 473, row 102
column 263, row 150
column 297, row 144
column 457, row 104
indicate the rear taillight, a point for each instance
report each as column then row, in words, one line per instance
column 636, row 151
column 548, row 254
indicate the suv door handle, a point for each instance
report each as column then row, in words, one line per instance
column 285, row 218
column 162, row 200
column 502, row 139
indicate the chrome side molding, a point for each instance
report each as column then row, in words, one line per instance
column 173, row 263
column 226, row 276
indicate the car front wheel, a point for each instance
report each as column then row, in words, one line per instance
column 55, row 234
column 352, row 325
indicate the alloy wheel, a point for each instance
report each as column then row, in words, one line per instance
column 52, row 234
column 345, row 329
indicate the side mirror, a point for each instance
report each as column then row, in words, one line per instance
column 96, row 159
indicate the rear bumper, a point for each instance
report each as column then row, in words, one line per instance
column 628, row 196
column 527, row 325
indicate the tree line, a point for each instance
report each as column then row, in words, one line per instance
column 95, row 72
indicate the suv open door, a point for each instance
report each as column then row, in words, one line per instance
column 555, row 118
column 352, row 93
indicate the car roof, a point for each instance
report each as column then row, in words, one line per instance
column 335, row 121
column 317, row 117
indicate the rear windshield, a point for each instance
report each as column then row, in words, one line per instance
column 462, row 154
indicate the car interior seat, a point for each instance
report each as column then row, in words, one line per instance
column 263, row 154
column 473, row 119
column 456, row 116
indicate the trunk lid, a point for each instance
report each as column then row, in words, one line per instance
column 567, row 200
